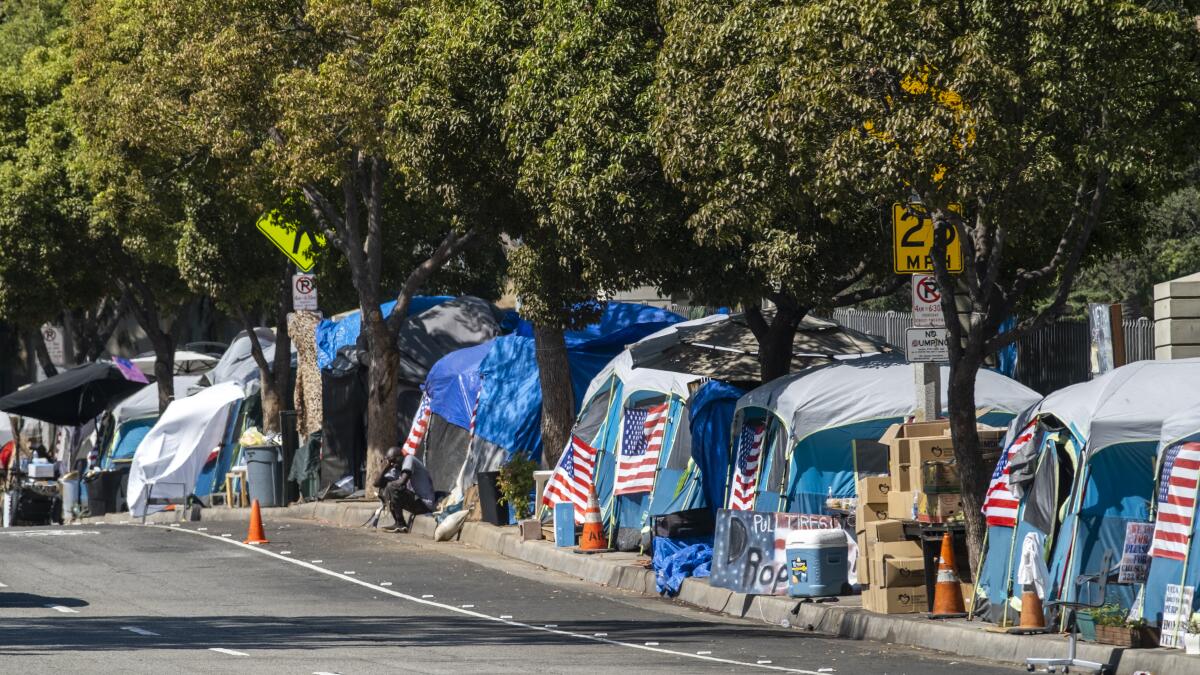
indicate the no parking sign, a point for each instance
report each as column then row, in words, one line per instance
column 304, row 292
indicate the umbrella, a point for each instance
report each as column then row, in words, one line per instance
column 186, row 363
column 73, row 396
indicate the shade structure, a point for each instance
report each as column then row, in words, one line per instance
column 73, row 396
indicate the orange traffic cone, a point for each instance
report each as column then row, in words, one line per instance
column 593, row 531
column 256, row 535
column 947, row 594
column 1033, row 617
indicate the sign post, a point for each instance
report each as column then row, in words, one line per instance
column 53, row 337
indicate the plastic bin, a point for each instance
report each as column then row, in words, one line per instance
column 70, row 498
column 818, row 563
column 264, row 474
column 103, row 488
column 491, row 509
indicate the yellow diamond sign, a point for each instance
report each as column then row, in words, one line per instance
column 298, row 244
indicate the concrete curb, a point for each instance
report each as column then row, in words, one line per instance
column 846, row 620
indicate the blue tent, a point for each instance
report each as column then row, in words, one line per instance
column 711, row 409
column 1087, row 472
column 333, row 334
column 1177, row 561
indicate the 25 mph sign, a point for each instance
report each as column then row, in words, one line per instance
column 926, row 302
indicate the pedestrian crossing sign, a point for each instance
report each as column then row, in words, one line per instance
column 296, row 242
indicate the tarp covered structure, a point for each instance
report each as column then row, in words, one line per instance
column 1086, row 471
column 1178, row 564
column 76, row 395
column 334, row 334
column 133, row 418
column 814, row 416
column 237, row 364
column 172, row 455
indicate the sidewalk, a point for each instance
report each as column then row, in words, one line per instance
column 844, row 618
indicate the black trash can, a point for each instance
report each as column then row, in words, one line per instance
column 103, row 489
column 491, row 509
column 264, row 474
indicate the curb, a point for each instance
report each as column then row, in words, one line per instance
column 619, row 570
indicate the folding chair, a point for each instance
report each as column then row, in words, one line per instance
column 1096, row 585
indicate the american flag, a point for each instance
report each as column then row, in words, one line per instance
column 1000, row 506
column 1176, row 501
column 419, row 426
column 641, row 444
column 573, row 478
column 745, row 473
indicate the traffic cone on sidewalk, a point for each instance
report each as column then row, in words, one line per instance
column 256, row 535
column 947, row 594
column 1033, row 617
column 593, row 531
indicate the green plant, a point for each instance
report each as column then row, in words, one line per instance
column 516, row 483
column 1109, row 615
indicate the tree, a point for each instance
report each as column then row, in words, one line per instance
column 1046, row 123
column 727, row 125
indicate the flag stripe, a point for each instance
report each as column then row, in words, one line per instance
column 572, row 479
column 745, row 476
column 1176, row 501
column 1000, row 507
column 641, row 445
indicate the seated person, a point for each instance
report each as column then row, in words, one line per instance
column 406, row 486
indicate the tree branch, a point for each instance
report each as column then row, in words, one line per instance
column 451, row 245
column 881, row 289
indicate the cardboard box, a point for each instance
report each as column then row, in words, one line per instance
column 874, row 489
column 884, row 531
column 896, row 600
column 891, row 572
column 938, row 508
column 940, row 477
column 896, row 549
column 862, row 567
column 900, row 504
column 868, row 513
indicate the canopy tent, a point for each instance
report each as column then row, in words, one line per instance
column 174, row 452
column 186, row 362
column 134, row 417
column 334, row 334
column 494, row 390
column 813, row 417
column 1080, row 467
column 723, row 347
column 1177, row 561
column 444, row 328
column 76, row 395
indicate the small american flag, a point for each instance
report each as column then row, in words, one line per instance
column 419, row 426
column 745, row 473
column 573, row 478
column 641, row 444
column 1000, row 506
column 1176, row 501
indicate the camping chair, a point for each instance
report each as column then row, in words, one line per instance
column 1096, row 586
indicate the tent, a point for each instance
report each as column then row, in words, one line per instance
column 1080, row 467
column 812, row 418
column 185, row 363
column 173, row 453
column 336, row 333
column 442, row 328
column 237, row 364
column 133, row 418
column 1177, row 562
column 493, row 391
column 75, row 395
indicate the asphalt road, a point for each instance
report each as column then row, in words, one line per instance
column 134, row 599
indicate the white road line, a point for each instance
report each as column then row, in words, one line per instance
column 64, row 610
column 385, row 583
column 139, row 631
column 285, row 553
column 230, row 652
column 703, row 653
column 478, row 615
column 317, row 562
column 3, row 585
column 349, row 573
column 322, row 672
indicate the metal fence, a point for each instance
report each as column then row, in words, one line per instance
column 1054, row 357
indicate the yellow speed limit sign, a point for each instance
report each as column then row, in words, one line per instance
column 912, row 241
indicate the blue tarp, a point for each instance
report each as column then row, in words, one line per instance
column 677, row 559
column 333, row 335
column 509, row 394
column 711, row 411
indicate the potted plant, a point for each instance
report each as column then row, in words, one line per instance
column 1113, row 628
column 1191, row 638
column 516, row 490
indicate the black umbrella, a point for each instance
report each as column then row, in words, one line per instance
column 73, row 396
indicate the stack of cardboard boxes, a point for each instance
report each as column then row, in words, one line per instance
column 893, row 567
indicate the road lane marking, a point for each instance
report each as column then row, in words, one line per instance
column 3, row 585
column 64, row 610
column 650, row 644
column 385, row 583
column 322, row 672
column 703, row 653
column 467, row 606
column 285, row 553
column 51, row 533
column 548, row 628
column 349, row 573
column 139, row 631
column 317, row 562
column 230, row 652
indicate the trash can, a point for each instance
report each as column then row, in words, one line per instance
column 103, row 488
column 490, row 507
column 70, row 498
column 264, row 474
column 818, row 563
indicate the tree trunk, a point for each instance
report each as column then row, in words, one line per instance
column 776, row 341
column 558, row 397
column 164, row 366
column 973, row 474
column 383, row 404
column 283, row 347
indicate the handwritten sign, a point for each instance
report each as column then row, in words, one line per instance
column 1135, row 556
column 749, row 549
column 1177, row 609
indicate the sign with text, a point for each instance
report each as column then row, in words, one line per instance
column 1177, row 610
column 926, row 302
column 55, row 344
column 927, row 345
column 1135, row 555
column 749, row 548
column 912, row 240
column 1100, row 330
column 304, row 293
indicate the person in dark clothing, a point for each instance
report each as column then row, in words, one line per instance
column 405, row 485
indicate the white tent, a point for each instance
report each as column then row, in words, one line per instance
column 186, row 362
column 171, row 456
column 144, row 403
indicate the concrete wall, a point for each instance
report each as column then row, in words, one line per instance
column 1177, row 318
